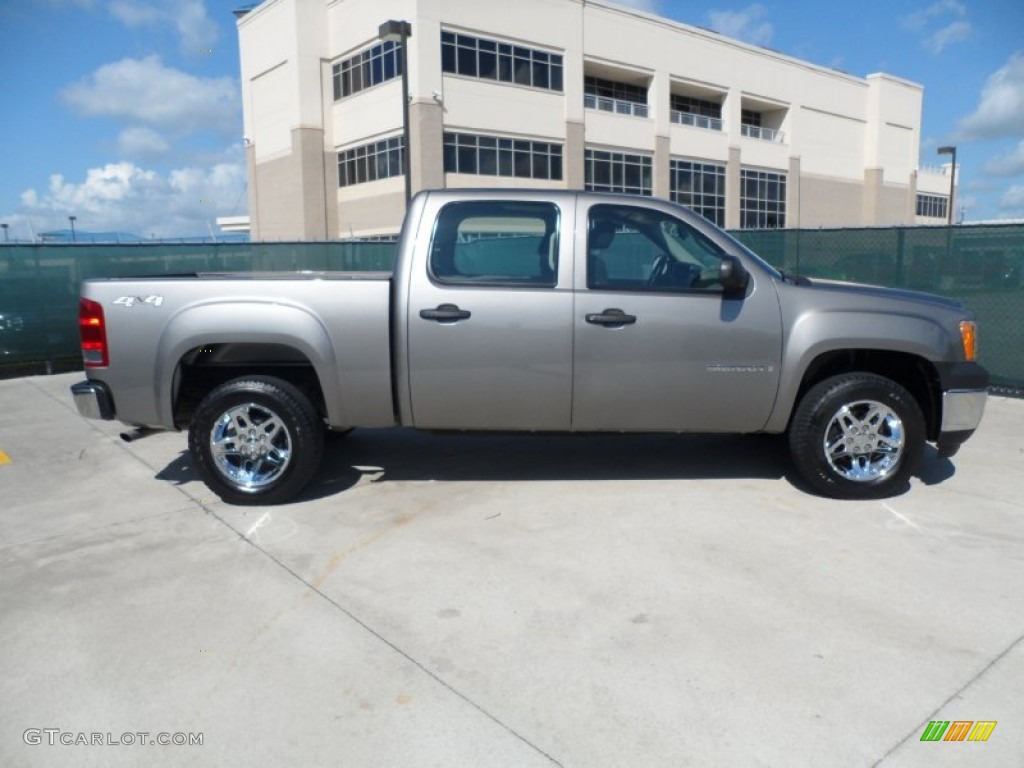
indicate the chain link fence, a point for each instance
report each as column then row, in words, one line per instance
column 979, row 265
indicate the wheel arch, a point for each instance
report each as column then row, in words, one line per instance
column 250, row 338
column 911, row 371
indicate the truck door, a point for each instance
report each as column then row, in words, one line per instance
column 659, row 346
column 490, row 324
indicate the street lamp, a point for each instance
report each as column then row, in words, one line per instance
column 952, row 179
column 400, row 32
column 72, row 219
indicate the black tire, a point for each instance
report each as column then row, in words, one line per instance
column 875, row 445
column 272, row 439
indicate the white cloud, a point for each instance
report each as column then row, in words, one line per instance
column 1001, row 109
column 918, row 20
column 196, row 30
column 138, row 141
column 1008, row 163
column 125, row 197
column 934, row 24
column 1013, row 199
column 145, row 91
column 937, row 42
column 744, row 25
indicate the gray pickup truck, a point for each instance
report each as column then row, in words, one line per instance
column 540, row 312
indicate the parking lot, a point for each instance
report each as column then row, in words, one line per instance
column 502, row 601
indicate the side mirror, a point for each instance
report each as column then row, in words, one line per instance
column 733, row 275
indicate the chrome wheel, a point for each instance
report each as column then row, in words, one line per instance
column 864, row 441
column 250, row 446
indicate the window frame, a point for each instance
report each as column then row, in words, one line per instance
column 369, row 68
column 464, row 55
column 706, row 271
column 699, row 172
column 477, row 209
column 760, row 205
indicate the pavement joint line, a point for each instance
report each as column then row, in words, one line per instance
column 404, row 654
column 331, row 601
column 929, row 717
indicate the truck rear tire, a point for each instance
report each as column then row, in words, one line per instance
column 256, row 440
column 857, row 436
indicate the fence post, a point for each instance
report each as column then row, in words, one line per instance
column 901, row 240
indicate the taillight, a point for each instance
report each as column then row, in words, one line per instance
column 94, row 334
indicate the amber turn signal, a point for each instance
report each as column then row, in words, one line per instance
column 969, row 336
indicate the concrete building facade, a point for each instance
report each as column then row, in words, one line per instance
column 576, row 94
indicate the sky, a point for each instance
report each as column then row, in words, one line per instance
column 127, row 113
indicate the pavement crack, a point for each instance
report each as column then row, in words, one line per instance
column 929, row 717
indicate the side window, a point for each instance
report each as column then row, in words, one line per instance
column 496, row 243
column 631, row 248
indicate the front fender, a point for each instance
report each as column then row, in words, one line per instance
column 818, row 333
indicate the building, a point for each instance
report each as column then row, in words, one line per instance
column 563, row 94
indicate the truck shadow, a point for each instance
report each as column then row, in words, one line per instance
column 386, row 455
column 408, row 455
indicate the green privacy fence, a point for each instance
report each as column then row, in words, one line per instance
column 980, row 265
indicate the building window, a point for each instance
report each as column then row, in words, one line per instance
column 503, row 62
column 933, row 206
column 370, row 162
column 492, row 156
column 688, row 110
column 617, row 172
column 613, row 96
column 762, row 199
column 367, row 69
column 700, row 186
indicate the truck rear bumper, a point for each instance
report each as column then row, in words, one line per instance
column 93, row 400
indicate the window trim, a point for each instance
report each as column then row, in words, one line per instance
column 714, row 291
column 385, row 48
column 506, row 55
column 373, row 150
column 761, row 205
column 556, row 245
column 646, row 164
column 927, row 199
column 507, row 149
column 699, row 166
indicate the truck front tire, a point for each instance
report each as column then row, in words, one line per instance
column 256, row 440
column 857, row 436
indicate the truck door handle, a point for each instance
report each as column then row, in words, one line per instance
column 613, row 318
column 445, row 313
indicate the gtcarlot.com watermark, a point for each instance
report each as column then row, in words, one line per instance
column 55, row 737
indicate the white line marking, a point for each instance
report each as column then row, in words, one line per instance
column 257, row 525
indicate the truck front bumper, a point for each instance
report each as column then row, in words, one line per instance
column 962, row 410
column 93, row 400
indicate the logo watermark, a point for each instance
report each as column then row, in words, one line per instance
column 958, row 730
column 55, row 736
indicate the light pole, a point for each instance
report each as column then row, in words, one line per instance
column 400, row 32
column 952, row 180
column 72, row 219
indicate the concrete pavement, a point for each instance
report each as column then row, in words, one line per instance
column 502, row 601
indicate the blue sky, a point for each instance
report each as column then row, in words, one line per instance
column 127, row 113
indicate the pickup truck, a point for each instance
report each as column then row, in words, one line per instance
column 535, row 311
